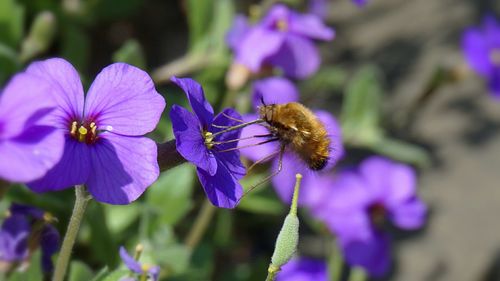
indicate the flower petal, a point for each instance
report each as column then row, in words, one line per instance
column 298, row 57
column 476, row 51
column 122, row 168
column 196, row 97
column 274, row 90
column 222, row 189
column 303, row 269
column 30, row 155
column 238, row 30
column 311, row 26
column 49, row 243
column 24, row 97
column 258, row 45
column 189, row 141
column 68, row 89
column 230, row 159
column 129, row 261
column 14, row 238
column 123, row 99
column 373, row 254
column 389, row 182
column 72, row 169
column 410, row 215
column 284, row 181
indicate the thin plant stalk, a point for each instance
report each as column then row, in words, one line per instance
column 200, row 225
column 81, row 201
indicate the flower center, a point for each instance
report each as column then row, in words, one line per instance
column 86, row 133
column 282, row 25
column 145, row 267
column 377, row 213
column 209, row 138
column 495, row 56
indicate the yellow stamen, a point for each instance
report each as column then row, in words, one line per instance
column 73, row 128
column 282, row 25
column 82, row 131
column 209, row 138
column 93, row 128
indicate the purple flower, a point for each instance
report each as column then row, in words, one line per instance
column 152, row 272
column 303, row 269
column 360, row 3
column 481, row 47
column 374, row 254
column 359, row 203
column 104, row 144
column 319, row 8
column 217, row 161
column 283, row 38
column 29, row 144
column 18, row 237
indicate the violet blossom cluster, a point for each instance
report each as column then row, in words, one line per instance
column 25, row 229
column 283, row 39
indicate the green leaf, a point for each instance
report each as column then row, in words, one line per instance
column 222, row 20
column 264, row 205
column 131, row 52
column 325, row 80
column 75, row 46
column 119, row 217
column 79, row 272
column 11, row 22
column 34, row 271
column 402, row 151
column 116, row 275
column 170, row 195
column 199, row 14
column 102, row 244
column 361, row 111
column 101, row 274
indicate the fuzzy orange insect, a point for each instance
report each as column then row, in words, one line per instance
column 297, row 127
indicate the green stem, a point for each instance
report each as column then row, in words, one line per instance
column 272, row 272
column 81, row 201
column 335, row 263
column 200, row 225
column 182, row 66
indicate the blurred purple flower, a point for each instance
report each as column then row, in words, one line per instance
column 319, row 8
column 303, row 269
column 152, row 272
column 218, row 169
column 104, row 144
column 481, row 47
column 16, row 231
column 29, row 144
column 362, row 200
column 374, row 254
column 283, row 38
column 360, row 3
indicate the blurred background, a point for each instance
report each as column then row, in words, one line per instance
column 454, row 122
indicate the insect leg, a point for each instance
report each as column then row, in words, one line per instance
column 280, row 167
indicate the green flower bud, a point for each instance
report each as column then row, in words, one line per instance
column 40, row 36
column 288, row 238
